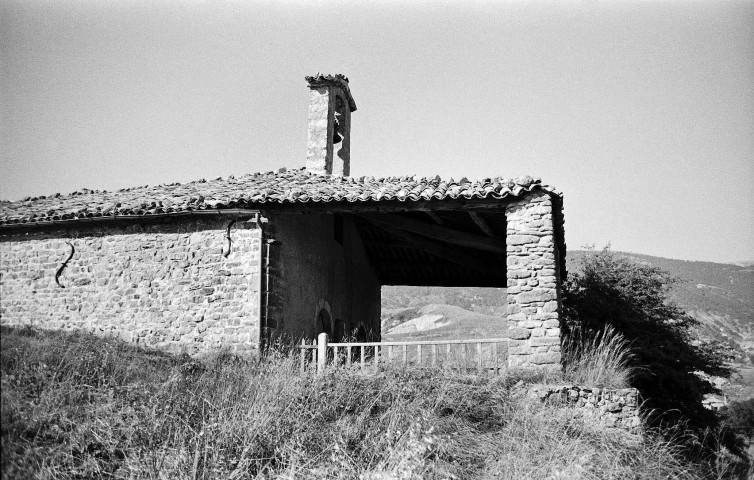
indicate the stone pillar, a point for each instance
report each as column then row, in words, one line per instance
column 533, row 283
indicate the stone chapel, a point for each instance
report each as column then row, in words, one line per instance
column 232, row 263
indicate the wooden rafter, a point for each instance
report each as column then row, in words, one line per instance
column 435, row 217
column 396, row 265
column 483, row 226
column 437, row 232
column 446, row 253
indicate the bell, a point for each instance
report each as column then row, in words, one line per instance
column 336, row 137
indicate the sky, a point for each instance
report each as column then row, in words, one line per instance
column 641, row 113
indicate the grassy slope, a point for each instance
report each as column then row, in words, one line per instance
column 74, row 406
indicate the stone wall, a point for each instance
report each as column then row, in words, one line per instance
column 617, row 408
column 534, row 280
column 165, row 284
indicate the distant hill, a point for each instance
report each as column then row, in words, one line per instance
column 720, row 296
column 433, row 313
column 441, row 321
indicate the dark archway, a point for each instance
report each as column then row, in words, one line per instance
column 324, row 322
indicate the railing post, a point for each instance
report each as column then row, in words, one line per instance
column 495, row 359
column 321, row 352
column 303, row 354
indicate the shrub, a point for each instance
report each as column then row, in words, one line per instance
column 612, row 290
column 739, row 417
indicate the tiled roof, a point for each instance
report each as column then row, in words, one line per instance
column 254, row 191
column 337, row 79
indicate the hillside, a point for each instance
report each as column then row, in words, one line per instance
column 720, row 296
column 433, row 313
column 441, row 321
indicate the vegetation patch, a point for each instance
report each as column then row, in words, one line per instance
column 77, row 406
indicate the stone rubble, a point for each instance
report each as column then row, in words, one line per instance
column 615, row 407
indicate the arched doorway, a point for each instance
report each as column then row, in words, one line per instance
column 324, row 322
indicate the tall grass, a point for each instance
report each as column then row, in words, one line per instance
column 75, row 406
column 599, row 359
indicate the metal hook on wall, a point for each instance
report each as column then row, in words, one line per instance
column 65, row 264
column 226, row 248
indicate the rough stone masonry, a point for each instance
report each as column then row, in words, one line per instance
column 533, row 283
column 181, row 284
column 615, row 407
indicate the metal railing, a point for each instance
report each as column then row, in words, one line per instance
column 479, row 354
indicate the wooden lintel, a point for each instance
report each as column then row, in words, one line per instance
column 387, row 206
column 437, row 232
column 446, row 253
column 483, row 226
column 393, row 265
column 472, row 281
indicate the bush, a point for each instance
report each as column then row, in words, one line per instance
column 739, row 417
column 667, row 361
column 632, row 299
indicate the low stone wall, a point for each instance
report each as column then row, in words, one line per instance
column 181, row 284
column 617, row 408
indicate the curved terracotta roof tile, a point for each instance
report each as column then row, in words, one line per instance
column 254, row 191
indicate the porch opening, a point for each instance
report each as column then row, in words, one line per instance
column 443, row 313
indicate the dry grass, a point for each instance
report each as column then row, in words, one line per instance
column 75, row 406
column 600, row 359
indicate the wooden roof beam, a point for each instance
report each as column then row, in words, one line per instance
column 386, row 206
column 409, row 265
column 435, row 217
column 437, row 232
column 475, row 281
column 447, row 253
column 483, row 226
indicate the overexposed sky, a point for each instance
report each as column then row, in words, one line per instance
column 641, row 113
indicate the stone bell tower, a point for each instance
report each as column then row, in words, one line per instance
column 329, row 141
